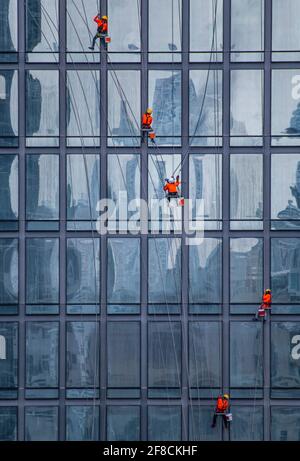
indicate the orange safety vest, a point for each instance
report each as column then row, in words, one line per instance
column 171, row 187
column 267, row 300
column 147, row 119
column 222, row 404
column 102, row 24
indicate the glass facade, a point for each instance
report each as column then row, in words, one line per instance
column 130, row 335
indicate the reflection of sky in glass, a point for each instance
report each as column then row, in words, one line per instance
column 123, row 35
column 161, row 34
column 202, row 20
column 284, row 170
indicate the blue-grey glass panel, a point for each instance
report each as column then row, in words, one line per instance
column 285, row 30
column 246, row 107
column 42, row 274
column 285, row 424
column 83, row 271
column 124, row 108
column 165, row 99
column 165, row 46
column 200, row 420
column 247, row 30
column 123, row 423
column 81, row 29
column 285, row 270
column 8, row 424
column 206, row 30
column 246, row 191
column 123, row 276
column 42, row 25
column 82, row 358
column 9, row 271
column 205, row 359
column 126, row 43
column 164, row 271
column 164, row 356
column 9, row 31
column 246, row 354
column 42, row 225
column 285, row 355
column 8, row 107
column 8, row 356
column 205, row 191
column 82, row 423
column 285, row 107
column 42, row 310
column 246, row 270
column 42, row 340
column 82, row 393
column 205, row 272
column 285, row 194
column 247, row 423
column 123, row 187
column 205, row 106
column 41, row 424
column 41, row 393
column 123, row 309
column 42, row 108
column 85, row 309
column 83, row 189
column 9, row 190
column 164, row 423
column 83, row 103
column 123, row 356
column 42, row 188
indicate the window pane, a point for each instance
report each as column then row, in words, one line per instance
column 123, row 276
column 285, row 107
column 200, row 420
column 246, row 270
column 164, row 423
column 83, row 191
column 83, row 102
column 165, row 99
column 9, row 275
column 246, row 192
column 9, row 192
column 205, row 276
column 205, row 359
column 164, row 275
column 247, row 30
column 42, row 30
column 285, row 30
column 126, row 43
column 41, row 424
column 206, row 30
column 8, row 424
column 285, row 271
column 83, row 275
column 123, row 359
column 42, row 191
column 248, row 424
column 205, row 106
column 42, row 359
column 285, row 359
column 246, row 107
column 9, row 108
column 82, row 423
column 246, row 359
column 285, row 424
column 42, row 274
column 124, row 108
column 8, row 360
column 42, row 108
column 82, row 367
column 205, row 191
column 123, row 423
column 168, row 23
column 164, row 359
column 9, row 31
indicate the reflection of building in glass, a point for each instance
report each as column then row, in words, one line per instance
column 292, row 211
column 126, row 129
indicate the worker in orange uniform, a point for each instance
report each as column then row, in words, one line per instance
column 171, row 187
column 102, row 29
column 265, row 305
column 147, row 120
column 222, row 409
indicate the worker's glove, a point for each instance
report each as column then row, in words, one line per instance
column 177, row 178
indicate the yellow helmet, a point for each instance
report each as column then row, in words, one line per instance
column 105, row 17
column 226, row 396
column 149, row 110
column 268, row 290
